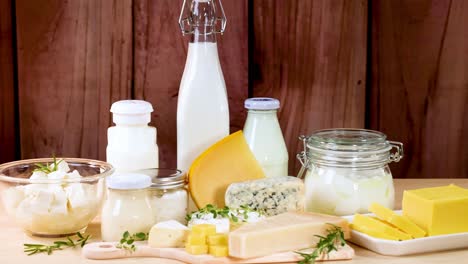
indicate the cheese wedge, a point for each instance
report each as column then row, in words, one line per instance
column 438, row 210
column 401, row 222
column 168, row 234
column 283, row 232
column 376, row 228
column 228, row 161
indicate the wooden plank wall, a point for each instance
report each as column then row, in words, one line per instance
column 160, row 53
column 74, row 59
column 420, row 84
column 403, row 73
column 312, row 56
column 7, row 98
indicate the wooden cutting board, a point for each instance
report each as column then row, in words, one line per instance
column 107, row 250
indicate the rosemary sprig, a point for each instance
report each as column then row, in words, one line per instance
column 127, row 240
column 48, row 168
column 32, row 249
column 333, row 241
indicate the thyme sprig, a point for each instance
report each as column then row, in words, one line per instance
column 127, row 240
column 32, row 249
column 225, row 212
column 332, row 241
column 48, row 168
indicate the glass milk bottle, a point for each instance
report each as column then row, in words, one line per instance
column 202, row 108
column 263, row 134
column 131, row 142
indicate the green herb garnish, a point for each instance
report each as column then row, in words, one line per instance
column 333, row 241
column 225, row 212
column 48, row 168
column 32, row 249
column 127, row 240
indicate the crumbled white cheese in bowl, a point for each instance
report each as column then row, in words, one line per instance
column 53, row 197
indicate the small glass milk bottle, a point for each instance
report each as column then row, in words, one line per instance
column 263, row 134
column 128, row 206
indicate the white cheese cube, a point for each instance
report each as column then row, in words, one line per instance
column 74, row 175
column 37, row 202
column 33, row 189
column 273, row 195
column 38, row 176
column 59, row 203
column 57, row 175
column 168, row 234
column 62, row 166
column 76, row 195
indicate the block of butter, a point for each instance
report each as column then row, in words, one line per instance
column 400, row 221
column 438, row 210
column 283, row 232
column 168, row 234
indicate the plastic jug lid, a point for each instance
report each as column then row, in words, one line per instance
column 128, row 181
column 131, row 107
column 262, row 103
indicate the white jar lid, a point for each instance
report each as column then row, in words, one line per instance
column 128, row 181
column 131, row 107
column 262, row 103
column 131, row 112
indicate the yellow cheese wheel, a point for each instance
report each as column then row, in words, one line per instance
column 229, row 160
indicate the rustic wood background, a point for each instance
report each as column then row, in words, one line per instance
column 400, row 67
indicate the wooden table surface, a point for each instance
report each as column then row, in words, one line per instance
column 12, row 238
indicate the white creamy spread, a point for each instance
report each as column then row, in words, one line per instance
column 223, row 224
column 52, row 208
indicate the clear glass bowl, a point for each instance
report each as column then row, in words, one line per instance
column 53, row 207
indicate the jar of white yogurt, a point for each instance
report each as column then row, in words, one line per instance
column 169, row 196
column 128, row 206
column 346, row 170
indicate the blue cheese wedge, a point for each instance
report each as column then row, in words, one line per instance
column 272, row 196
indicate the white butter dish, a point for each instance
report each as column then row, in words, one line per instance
column 408, row 247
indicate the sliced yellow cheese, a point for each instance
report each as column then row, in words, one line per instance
column 372, row 226
column 283, row 232
column 372, row 232
column 217, row 240
column 218, row 251
column 228, row 161
column 401, row 222
column 204, row 230
column 196, row 249
column 438, row 210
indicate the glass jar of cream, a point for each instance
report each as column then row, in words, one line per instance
column 128, row 206
column 169, row 196
column 345, row 170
